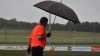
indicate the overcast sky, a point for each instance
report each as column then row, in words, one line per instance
column 23, row 10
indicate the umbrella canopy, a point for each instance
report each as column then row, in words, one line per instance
column 58, row 9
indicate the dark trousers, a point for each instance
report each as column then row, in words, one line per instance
column 37, row 51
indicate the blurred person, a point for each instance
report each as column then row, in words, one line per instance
column 37, row 39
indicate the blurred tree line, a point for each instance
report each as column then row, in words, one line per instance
column 13, row 24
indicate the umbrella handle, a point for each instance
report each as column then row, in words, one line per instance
column 50, row 26
column 49, row 23
column 50, row 30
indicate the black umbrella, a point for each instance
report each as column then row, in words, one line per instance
column 58, row 9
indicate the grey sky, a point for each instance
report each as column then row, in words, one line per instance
column 23, row 10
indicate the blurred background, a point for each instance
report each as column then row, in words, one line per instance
column 18, row 17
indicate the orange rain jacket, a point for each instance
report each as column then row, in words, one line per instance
column 36, row 32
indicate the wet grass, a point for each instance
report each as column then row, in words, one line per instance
column 58, row 37
column 23, row 53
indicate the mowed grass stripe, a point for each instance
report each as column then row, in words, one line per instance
column 57, row 37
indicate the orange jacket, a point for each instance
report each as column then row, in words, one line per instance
column 36, row 32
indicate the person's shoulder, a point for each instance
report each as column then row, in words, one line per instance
column 39, row 26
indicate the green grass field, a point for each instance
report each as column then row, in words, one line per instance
column 58, row 37
column 23, row 53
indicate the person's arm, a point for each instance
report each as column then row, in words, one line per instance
column 29, row 46
column 40, row 36
column 29, row 43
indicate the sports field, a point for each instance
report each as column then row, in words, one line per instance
column 23, row 53
column 58, row 37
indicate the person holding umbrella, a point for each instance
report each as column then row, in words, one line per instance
column 38, row 35
column 37, row 39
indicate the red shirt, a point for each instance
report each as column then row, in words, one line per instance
column 36, row 32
